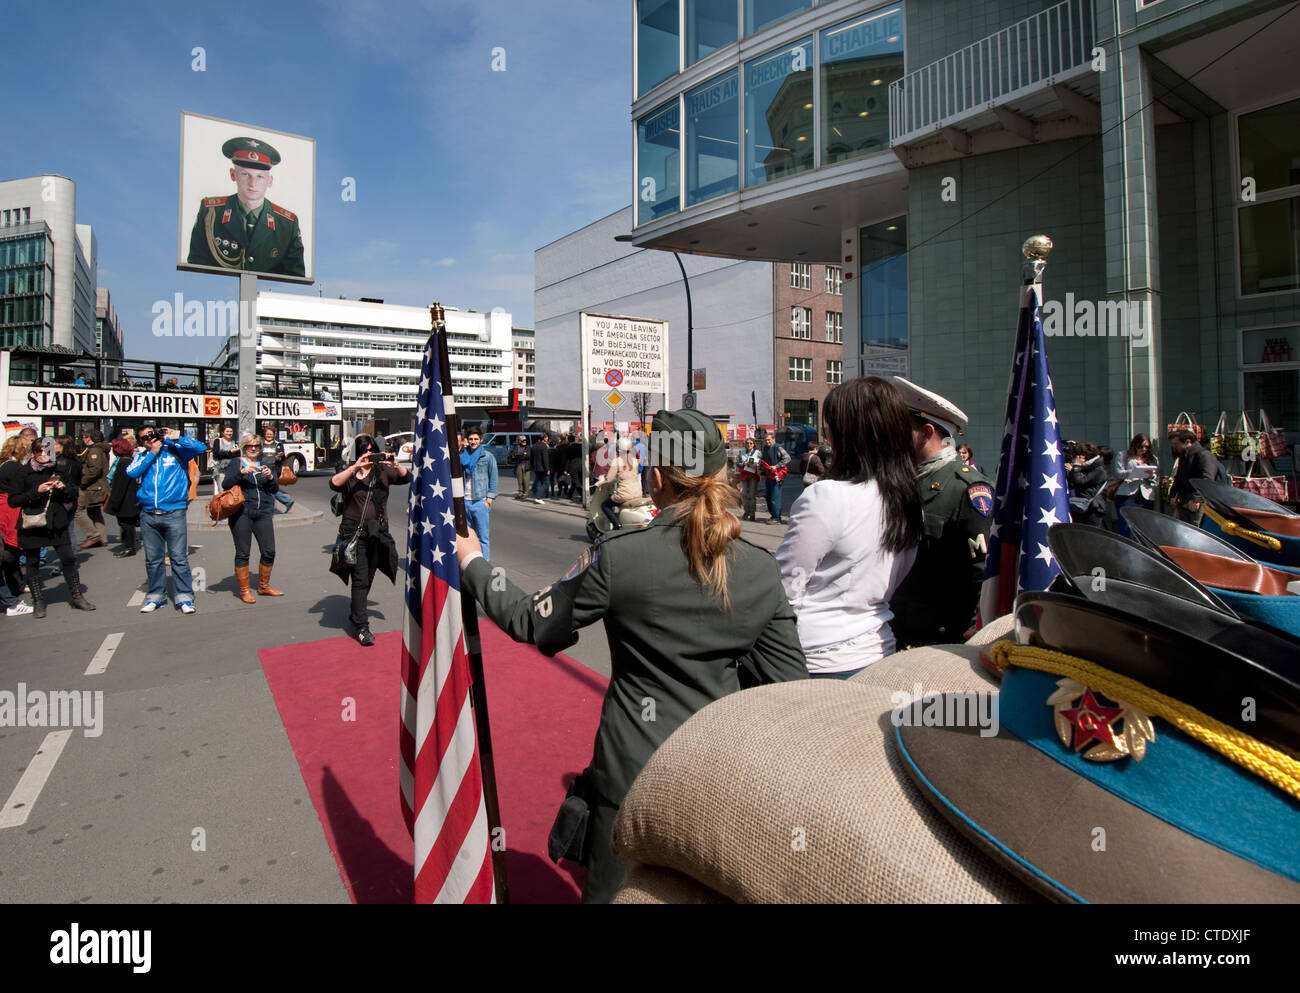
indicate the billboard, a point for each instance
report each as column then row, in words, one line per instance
column 247, row 200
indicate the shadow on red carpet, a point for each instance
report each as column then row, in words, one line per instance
column 339, row 701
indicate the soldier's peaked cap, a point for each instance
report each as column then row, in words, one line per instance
column 688, row 440
column 250, row 153
column 931, row 406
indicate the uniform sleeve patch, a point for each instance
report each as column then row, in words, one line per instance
column 981, row 498
column 585, row 561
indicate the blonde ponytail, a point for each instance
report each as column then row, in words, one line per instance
column 706, row 507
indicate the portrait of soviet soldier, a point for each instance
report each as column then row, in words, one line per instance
column 245, row 230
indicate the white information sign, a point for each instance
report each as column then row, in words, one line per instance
column 637, row 348
column 87, row 403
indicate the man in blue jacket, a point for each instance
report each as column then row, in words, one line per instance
column 480, row 474
column 164, row 489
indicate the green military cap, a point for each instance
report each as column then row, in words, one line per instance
column 688, row 440
column 250, row 153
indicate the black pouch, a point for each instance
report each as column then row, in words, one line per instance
column 570, row 836
column 336, row 504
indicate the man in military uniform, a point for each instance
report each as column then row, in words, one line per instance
column 245, row 230
column 936, row 602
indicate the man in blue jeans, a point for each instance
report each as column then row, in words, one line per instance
column 163, row 494
column 480, row 474
column 775, row 459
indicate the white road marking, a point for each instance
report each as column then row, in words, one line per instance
column 28, row 791
column 137, row 599
column 105, row 654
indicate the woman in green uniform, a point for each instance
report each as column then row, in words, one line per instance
column 692, row 612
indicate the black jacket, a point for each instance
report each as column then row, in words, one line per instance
column 1194, row 463
column 539, row 457
column 258, row 490
column 32, row 501
column 122, row 502
column 1086, row 480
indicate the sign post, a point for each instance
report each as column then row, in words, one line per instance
column 621, row 355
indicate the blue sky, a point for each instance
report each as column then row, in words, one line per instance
column 461, row 172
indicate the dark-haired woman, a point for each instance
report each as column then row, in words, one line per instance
column 256, row 518
column 122, row 502
column 853, row 537
column 45, row 497
column 1087, row 476
column 686, row 607
column 364, row 485
column 1137, row 481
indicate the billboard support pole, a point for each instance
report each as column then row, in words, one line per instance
column 248, row 353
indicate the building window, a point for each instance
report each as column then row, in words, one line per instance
column 834, row 371
column 658, row 157
column 859, row 59
column 1268, row 146
column 801, row 412
column 762, row 13
column 710, row 25
column 800, row 322
column 656, row 43
column 883, row 287
column 1271, row 373
column 800, row 370
column 835, row 327
column 779, row 113
column 713, row 138
column 834, row 275
column 801, row 275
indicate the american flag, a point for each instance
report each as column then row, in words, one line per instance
column 1032, row 492
column 441, row 779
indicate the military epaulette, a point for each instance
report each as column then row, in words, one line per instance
column 284, row 213
column 214, row 201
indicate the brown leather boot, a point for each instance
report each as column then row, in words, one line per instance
column 264, row 586
column 245, row 594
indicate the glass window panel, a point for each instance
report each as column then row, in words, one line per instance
column 860, row 58
column 762, row 13
column 884, row 284
column 1270, row 146
column 1261, row 345
column 656, row 43
column 1276, row 391
column 779, row 113
column 710, row 25
column 712, row 138
column 658, row 142
column 1270, row 246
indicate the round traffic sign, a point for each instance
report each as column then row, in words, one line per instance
column 614, row 377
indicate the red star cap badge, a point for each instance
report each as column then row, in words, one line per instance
column 1092, row 721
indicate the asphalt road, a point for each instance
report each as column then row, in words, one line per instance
column 191, row 792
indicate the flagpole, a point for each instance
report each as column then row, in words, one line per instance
column 469, row 613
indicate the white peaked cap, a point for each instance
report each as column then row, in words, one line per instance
column 932, row 407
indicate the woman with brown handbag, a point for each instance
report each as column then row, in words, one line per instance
column 259, row 484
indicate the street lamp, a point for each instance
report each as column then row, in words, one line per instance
column 690, row 325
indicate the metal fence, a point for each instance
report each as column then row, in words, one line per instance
column 1032, row 52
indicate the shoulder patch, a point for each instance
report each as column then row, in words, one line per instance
column 585, row 561
column 214, row 201
column 981, row 498
column 284, row 213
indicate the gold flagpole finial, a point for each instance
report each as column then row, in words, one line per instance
column 1035, row 249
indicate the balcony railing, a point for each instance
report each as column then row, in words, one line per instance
column 1040, row 50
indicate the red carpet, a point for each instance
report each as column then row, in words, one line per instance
column 544, row 714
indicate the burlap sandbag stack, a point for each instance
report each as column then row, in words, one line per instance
column 794, row 793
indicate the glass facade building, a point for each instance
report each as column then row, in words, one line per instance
column 26, row 286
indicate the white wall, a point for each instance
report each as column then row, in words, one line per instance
column 732, row 303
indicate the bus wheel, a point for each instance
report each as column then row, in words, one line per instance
column 296, row 464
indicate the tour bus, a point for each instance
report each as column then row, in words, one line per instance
column 57, row 391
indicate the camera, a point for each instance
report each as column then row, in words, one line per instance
column 381, row 457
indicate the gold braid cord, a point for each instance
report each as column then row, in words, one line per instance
column 1263, row 760
column 212, row 243
column 1237, row 531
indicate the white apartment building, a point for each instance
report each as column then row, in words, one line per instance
column 525, row 368
column 376, row 349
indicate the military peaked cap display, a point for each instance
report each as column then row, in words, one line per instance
column 687, row 440
column 1259, row 527
column 250, row 153
column 931, row 406
column 1163, row 733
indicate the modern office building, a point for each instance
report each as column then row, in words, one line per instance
column 731, row 310
column 917, row 144
column 376, row 348
column 524, row 364
column 47, row 266
column 108, row 333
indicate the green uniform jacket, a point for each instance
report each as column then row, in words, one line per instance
column 674, row 649
column 219, row 238
column 935, row 605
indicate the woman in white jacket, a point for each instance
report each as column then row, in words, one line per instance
column 853, row 537
column 1138, row 478
column 626, row 479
